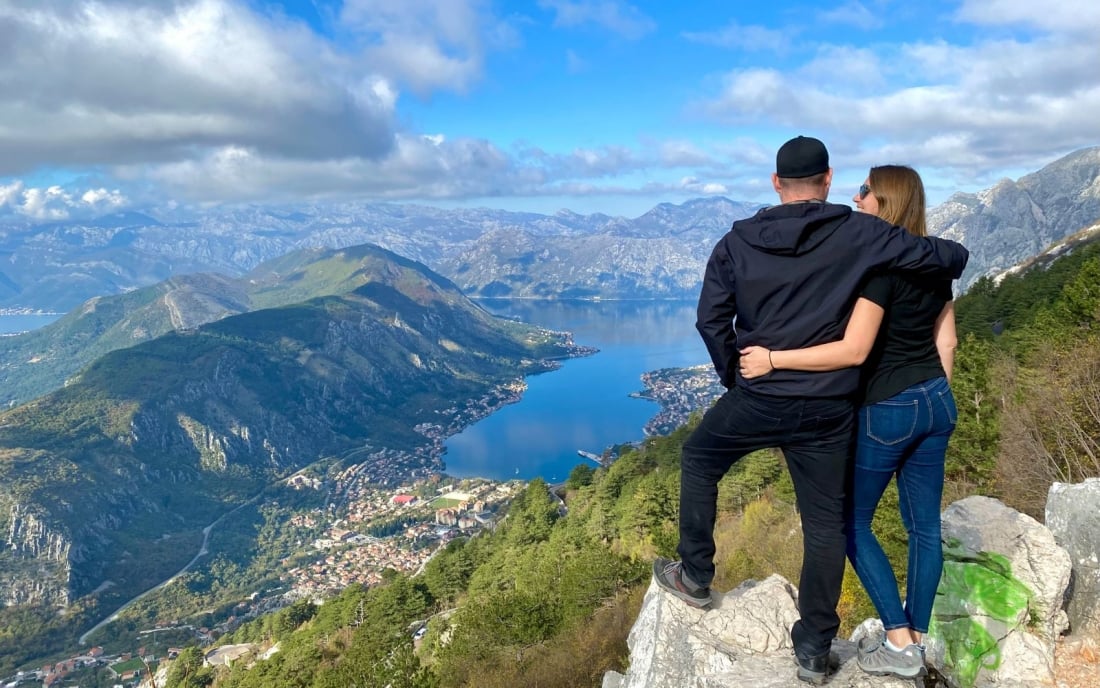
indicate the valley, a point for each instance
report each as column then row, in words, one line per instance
column 110, row 480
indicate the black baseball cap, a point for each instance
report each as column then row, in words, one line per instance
column 802, row 156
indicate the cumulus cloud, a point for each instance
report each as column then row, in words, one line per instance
column 213, row 100
column 618, row 17
column 684, row 154
column 103, row 82
column 43, row 204
column 1011, row 102
column 56, row 203
column 416, row 167
column 431, row 166
column 1072, row 17
column 102, row 198
column 709, row 188
column 427, row 44
column 9, row 193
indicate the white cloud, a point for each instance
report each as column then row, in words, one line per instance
column 693, row 185
column 418, row 167
column 41, row 204
column 9, row 193
column 425, row 167
column 1081, row 17
column 684, row 154
column 123, row 82
column 102, row 198
column 618, row 17
column 746, row 37
column 427, row 44
column 853, row 13
column 968, row 109
column 856, row 68
column 56, row 203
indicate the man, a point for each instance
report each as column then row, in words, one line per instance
column 787, row 278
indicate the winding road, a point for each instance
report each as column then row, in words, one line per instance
column 202, row 552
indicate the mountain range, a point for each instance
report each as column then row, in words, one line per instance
column 1014, row 220
column 660, row 254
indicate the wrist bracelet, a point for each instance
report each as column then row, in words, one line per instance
column 770, row 359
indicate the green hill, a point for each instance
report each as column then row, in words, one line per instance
column 41, row 361
column 106, row 484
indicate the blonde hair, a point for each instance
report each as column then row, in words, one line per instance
column 900, row 195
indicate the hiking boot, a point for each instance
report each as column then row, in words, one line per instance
column 817, row 668
column 670, row 576
column 877, row 659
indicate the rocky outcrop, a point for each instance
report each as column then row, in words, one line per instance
column 1073, row 516
column 31, row 538
column 997, row 616
column 998, row 609
column 744, row 640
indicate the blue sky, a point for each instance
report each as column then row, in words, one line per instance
column 593, row 105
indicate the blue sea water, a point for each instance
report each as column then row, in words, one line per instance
column 14, row 324
column 586, row 403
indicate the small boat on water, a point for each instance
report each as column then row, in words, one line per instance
column 590, row 456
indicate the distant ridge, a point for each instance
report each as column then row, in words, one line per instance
column 1085, row 237
column 1013, row 221
column 495, row 253
column 652, row 256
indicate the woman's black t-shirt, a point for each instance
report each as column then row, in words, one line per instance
column 904, row 352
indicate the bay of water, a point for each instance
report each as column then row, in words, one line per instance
column 585, row 404
column 13, row 324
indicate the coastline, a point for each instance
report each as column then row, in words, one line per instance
column 428, row 458
column 679, row 392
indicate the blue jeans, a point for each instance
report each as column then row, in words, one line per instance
column 905, row 435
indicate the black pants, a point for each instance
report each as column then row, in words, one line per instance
column 816, row 438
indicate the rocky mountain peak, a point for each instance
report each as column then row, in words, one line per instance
column 1014, row 220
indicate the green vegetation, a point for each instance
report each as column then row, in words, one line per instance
column 125, row 466
column 129, row 665
column 541, row 600
column 441, row 503
column 547, row 601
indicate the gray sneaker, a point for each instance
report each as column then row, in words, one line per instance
column 670, row 576
column 877, row 659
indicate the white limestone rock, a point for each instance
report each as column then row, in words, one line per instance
column 742, row 641
column 1073, row 516
column 998, row 609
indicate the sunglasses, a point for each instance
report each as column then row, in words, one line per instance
column 864, row 189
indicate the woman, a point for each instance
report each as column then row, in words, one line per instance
column 904, row 329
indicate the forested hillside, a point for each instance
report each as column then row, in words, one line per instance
column 111, row 485
column 548, row 599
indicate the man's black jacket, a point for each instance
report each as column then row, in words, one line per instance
column 791, row 274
